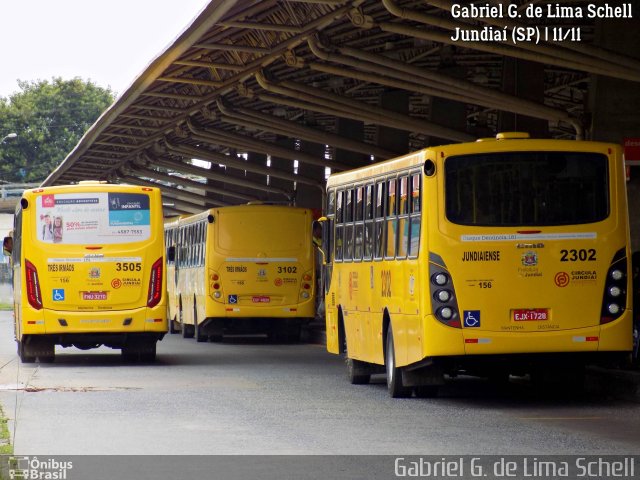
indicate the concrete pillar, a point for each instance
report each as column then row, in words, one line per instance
column 353, row 129
column 309, row 196
column 394, row 139
column 445, row 112
column 282, row 164
column 523, row 79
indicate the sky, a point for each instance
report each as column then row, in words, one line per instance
column 109, row 43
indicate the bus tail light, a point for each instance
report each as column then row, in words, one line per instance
column 614, row 300
column 33, row 285
column 155, row 284
column 443, row 298
column 306, row 285
column 214, row 284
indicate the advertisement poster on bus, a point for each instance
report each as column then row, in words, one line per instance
column 106, row 218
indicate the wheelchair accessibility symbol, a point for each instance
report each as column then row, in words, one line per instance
column 471, row 318
column 233, row 299
column 58, row 294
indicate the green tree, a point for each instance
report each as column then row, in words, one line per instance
column 49, row 117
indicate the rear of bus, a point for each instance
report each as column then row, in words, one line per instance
column 261, row 269
column 532, row 250
column 89, row 270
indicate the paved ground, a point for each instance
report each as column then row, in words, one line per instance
column 250, row 397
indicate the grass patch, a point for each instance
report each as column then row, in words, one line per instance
column 5, row 438
column 6, row 306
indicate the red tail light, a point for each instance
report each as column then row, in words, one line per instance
column 33, row 285
column 155, row 284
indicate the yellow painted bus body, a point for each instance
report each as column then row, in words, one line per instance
column 243, row 269
column 88, row 270
column 515, row 291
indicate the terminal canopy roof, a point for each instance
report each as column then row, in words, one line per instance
column 259, row 100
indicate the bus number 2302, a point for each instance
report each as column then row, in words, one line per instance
column 574, row 255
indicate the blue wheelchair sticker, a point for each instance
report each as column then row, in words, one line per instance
column 233, row 299
column 58, row 294
column 471, row 318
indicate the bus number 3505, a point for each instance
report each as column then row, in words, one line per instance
column 128, row 267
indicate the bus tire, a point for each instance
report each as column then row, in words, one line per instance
column 130, row 353
column 357, row 371
column 394, row 374
column 200, row 336
column 47, row 358
column 147, row 351
column 173, row 326
column 24, row 355
column 187, row 330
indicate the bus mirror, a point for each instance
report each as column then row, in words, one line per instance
column 324, row 257
column 171, row 254
column 322, row 219
column 7, row 246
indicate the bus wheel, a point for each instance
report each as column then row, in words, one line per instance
column 23, row 353
column 394, row 374
column 173, row 326
column 129, row 353
column 199, row 334
column 187, row 330
column 148, row 351
column 357, row 371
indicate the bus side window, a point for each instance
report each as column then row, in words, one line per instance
column 380, row 192
column 368, row 222
column 403, row 219
column 339, row 225
column 359, row 228
column 392, row 220
column 348, row 224
column 415, row 215
column 327, row 230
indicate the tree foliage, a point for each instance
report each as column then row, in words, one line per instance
column 49, row 117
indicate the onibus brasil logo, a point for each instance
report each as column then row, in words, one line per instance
column 34, row 468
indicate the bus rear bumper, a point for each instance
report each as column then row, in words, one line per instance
column 140, row 320
column 615, row 336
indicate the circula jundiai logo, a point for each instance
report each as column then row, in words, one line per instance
column 561, row 279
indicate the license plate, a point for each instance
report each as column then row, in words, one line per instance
column 530, row 314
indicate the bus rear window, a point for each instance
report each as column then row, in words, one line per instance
column 527, row 188
column 93, row 218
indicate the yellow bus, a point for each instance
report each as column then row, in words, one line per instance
column 170, row 232
column 88, row 270
column 244, row 269
column 503, row 256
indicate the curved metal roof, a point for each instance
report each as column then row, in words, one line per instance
column 274, row 79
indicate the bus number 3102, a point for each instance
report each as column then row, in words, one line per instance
column 287, row 269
